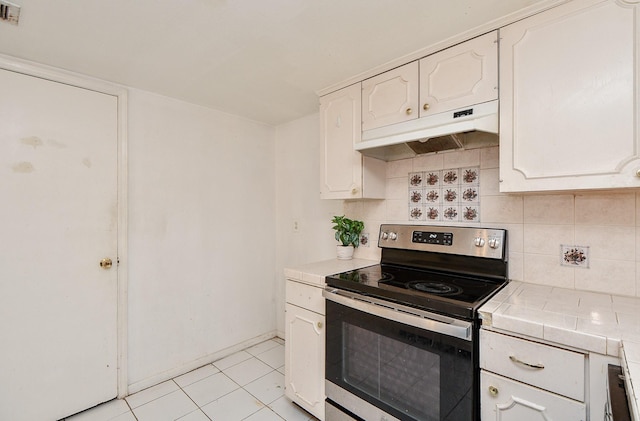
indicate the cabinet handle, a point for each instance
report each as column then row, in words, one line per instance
column 319, row 325
column 354, row 191
column 638, row 173
column 516, row 360
column 425, row 107
column 493, row 391
column 409, row 111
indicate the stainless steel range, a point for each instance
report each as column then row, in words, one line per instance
column 402, row 336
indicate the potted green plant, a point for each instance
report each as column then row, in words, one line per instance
column 348, row 234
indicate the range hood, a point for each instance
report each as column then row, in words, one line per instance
column 471, row 127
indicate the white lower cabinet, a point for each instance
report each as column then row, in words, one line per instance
column 503, row 399
column 304, row 348
column 524, row 380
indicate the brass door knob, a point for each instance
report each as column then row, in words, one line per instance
column 409, row 111
column 425, row 107
column 493, row 390
column 319, row 325
column 106, row 263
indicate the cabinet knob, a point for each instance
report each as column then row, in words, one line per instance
column 320, row 325
column 425, row 107
column 638, row 172
column 493, row 391
column 409, row 111
column 354, row 191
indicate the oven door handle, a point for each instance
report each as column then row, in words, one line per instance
column 400, row 313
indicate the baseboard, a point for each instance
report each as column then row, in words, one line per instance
column 192, row 365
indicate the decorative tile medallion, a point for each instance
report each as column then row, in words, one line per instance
column 574, row 256
column 447, row 195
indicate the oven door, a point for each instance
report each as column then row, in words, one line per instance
column 387, row 361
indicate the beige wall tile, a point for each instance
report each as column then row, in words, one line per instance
column 606, row 209
column 549, row 209
column 515, row 236
column 612, row 243
column 489, row 182
column 516, row 266
column 398, row 188
column 546, row 239
column 353, row 209
column 489, row 157
column 374, row 210
column 546, row 270
column 462, row 158
column 501, row 209
column 397, row 211
column 610, row 276
column 428, row 162
column 400, row 168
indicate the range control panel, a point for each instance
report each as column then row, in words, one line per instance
column 469, row 241
column 429, row 237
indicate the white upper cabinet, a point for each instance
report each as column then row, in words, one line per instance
column 344, row 172
column 568, row 102
column 459, row 76
column 390, row 97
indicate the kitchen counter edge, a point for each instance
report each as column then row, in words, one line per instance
column 596, row 322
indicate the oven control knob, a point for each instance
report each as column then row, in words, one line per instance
column 478, row 241
column 384, row 235
column 393, row 236
column 494, row 243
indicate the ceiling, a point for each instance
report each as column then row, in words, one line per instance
column 261, row 59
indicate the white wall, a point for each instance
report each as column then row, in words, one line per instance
column 298, row 199
column 201, row 229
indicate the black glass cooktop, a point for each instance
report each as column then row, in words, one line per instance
column 436, row 291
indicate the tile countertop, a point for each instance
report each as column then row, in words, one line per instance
column 596, row 322
column 314, row 273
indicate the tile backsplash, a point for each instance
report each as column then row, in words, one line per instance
column 606, row 224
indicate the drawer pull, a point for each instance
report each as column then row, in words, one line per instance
column 516, row 360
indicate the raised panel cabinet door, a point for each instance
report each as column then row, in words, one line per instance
column 58, row 219
column 568, row 103
column 461, row 75
column 502, row 399
column 390, row 97
column 340, row 164
column 304, row 359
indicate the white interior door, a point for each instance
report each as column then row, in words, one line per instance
column 58, row 219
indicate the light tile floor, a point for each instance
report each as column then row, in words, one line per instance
column 248, row 385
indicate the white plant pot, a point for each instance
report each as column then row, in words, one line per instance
column 345, row 252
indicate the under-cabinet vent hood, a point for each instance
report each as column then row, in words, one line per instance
column 469, row 128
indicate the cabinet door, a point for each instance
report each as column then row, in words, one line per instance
column 502, row 399
column 568, row 116
column 461, row 75
column 391, row 97
column 344, row 172
column 304, row 359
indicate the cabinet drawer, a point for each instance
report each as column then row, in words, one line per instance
column 305, row 296
column 504, row 399
column 547, row 367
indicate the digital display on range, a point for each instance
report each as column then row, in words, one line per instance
column 439, row 238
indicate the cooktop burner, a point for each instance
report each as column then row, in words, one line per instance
column 437, row 288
